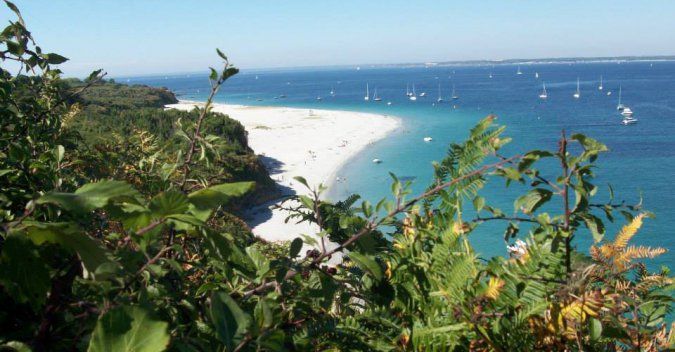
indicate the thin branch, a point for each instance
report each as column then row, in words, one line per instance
column 566, row 202
column 479, row 219
column 151, row 226
column 198, row 125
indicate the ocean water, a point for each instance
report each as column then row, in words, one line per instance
column 641, row 161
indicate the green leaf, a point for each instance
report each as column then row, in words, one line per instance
column 531, row 157
column 511, row 173
column 15, row 346
column 74, row 239
column 230, row 321
column 302, row 180
column 91, row 196
column 59, row 152
column 591, row 146
column 220, row 53
column 129, row 329
column 168, row 203
column 263, row 314
column 204, row 201
column 478, row 203
column 23, row 274
column 13, row 8
column 94, row 74
column 215, row 196
column 187, row 219
column 595, row 225
column 532, row 200
column 595, row 329
column 296, row 246
column 54, row 59
column 368, row 264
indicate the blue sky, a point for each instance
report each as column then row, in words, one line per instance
column 128, row 37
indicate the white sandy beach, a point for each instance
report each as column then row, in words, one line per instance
column 312, row 143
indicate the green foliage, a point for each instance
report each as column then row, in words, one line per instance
column 116, row 238
column 129, row 329
column 110, row 96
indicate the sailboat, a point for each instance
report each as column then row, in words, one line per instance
column 577, row 94
column 375, row 97
column 543, row 94
column 490, row 75
column 620, row 106
column 407, row 90
column 413, row 96
column 519, row 71
column 332, row 91
column 440, row 99
column 628, row 118
column 600, row 87
column 536, row 75
column 454, row 95
column 367, row 97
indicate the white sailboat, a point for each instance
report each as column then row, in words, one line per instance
column 440, row 98
column 490, row 76
column 454, row 95
column 519, row 72
column 543, row 94
column 628, row 118
column 536, row 75
column 375, row 97
column 407, row 90
column 332, row 91
column 620, row 106
column 600, row 87
column 577, row 94
column 413, row 96
column 367, row 97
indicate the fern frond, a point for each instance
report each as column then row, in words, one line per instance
column 637, row 252
column 494, row 287
column 627, row 232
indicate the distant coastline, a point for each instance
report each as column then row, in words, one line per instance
column 449, row 63
column 558, row 60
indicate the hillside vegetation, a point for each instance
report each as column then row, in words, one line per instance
column 118, row 234
column 113, row 118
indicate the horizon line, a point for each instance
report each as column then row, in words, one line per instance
column 511, row 61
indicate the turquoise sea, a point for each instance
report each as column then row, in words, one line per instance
column 641, row 161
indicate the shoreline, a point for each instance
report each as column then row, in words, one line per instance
column 313, row 143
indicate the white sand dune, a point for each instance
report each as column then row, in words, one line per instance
column 293, row 142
